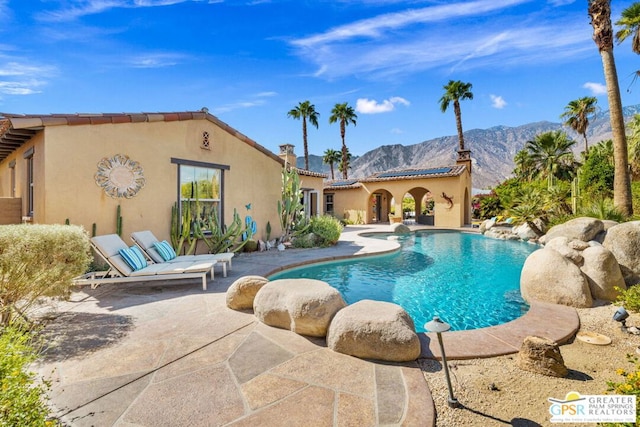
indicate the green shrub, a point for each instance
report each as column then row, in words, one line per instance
column 629, row 298
column 39, row 261
column 308, row 240
column 630, row 385
column 603, row 208
column 22, row 400
column 326, row 228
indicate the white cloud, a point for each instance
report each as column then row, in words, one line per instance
column 449, row 37
column 155, row 60
column 266, row 94
column 595, row 88
column 497, row 101
column 18, row 78
column 374, row 27
column 397, row 131
column 255, row 100
column 92, row 7
column 371, row 106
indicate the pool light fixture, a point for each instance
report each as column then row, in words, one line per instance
column 438, row 326
column 621, row 316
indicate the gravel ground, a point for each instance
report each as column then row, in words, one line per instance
column 495, row 392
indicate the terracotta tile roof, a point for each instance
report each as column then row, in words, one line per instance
column 416, row 173
column 395, row 175
column 311, row 173
column 16, row 129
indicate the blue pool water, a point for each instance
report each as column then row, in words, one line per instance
column 468, row 280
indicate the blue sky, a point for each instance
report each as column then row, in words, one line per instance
column 250, row 62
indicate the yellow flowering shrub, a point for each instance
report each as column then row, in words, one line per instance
column 22, row 401
column 629, row 384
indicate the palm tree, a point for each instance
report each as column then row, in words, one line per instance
column 344, row 114
column 525, row 169
column 330, row 158
column 551, row 156
column 305, row 110
column 454, row 92
column 630, row 23
column 600, row 13
column 634, row 145
column 342, row 163
column 577, row 115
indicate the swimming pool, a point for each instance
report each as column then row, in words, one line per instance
column 470, row 281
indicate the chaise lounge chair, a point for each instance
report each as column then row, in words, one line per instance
column 117, row 255
column 148, row 242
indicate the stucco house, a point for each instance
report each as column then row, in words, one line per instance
column 373, row 199
column 86, row 168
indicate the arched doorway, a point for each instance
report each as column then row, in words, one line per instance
column 379, row 206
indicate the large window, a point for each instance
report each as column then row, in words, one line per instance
column 200, row 191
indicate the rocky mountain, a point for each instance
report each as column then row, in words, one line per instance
column 492, row 150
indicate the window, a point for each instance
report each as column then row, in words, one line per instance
column 328, row 204
column 12, row 166
column 200, row 189
column 28, row 156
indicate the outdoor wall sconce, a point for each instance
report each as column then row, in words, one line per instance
column 438, row 326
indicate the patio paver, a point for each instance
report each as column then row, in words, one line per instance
column 154, row 355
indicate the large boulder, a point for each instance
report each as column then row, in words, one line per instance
column 548, row 276
column 486, row 225
column 564, row 246
column 602, row 272
column 623, row 240
column 242, row 292
column 400, row 228
column 374, row 330
column 542, row 356
column 304, row 306
column 524, row 232
column 584, row 229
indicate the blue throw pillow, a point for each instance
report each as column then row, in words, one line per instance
column 139, row 255
column 165, row 250
column 132, row 259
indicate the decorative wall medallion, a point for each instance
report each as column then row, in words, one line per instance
column 120, row 176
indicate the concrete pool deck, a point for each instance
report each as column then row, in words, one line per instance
column 154, row 355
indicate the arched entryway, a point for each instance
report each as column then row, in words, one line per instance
column 379, row 206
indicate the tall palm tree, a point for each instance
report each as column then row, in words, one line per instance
column 630, row 23
column 600, row 13
column 551, row 155
column 577, row 115
column 305, row 111
column 342, row 163
column 454, row 92
column 330, row 158
column 344, row 114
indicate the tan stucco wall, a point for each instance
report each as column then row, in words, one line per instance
column 67, row 163
column 359, row 199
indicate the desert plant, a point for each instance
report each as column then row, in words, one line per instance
column 181, row 232
column 629, row 298
column 290, row 210
column 23, row 400
column 603, row 208
column 38, row 261
column 326, row 228
column 119, row 221
column 629, row 385
column 219, row 238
